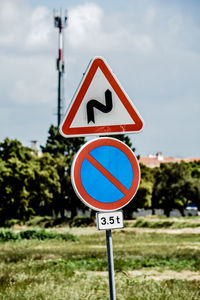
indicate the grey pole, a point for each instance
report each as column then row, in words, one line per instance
column 110, row 264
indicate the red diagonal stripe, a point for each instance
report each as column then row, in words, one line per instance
column 107, row 174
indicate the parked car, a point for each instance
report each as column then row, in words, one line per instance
column 191, row 210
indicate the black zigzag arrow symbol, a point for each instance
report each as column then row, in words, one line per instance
column 92, row 104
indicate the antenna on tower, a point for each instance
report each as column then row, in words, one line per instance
column 60, row 22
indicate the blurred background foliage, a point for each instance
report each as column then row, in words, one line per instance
column 33, row 184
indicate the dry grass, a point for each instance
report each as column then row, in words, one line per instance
column 149, row 264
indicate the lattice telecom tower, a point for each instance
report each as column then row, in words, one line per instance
column 60, row 22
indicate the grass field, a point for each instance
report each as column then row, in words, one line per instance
column 150, row 263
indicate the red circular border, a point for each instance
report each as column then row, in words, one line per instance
column 76, row 178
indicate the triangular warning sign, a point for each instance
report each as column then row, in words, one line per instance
column 100, row 105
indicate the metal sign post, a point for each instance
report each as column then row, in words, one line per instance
column 110, row 264
column 107, row 221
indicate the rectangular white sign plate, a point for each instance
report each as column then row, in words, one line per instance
column 110, row 220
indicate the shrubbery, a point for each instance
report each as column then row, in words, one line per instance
column 142, row 223
column 81, row 222
column 10, row 235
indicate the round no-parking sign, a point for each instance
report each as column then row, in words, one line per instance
column 105, row 174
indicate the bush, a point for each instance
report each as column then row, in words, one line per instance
column 8, row 235
column 12, row 222
column 43, row 235
column 39, row 221
column 153, row 224
column 81, row 222
column 142, row 223
column 47, row 221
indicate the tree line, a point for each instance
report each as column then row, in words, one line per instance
column 41, row 185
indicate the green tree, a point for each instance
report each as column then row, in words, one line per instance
column 44, row 185
column 14, row 148
column 193, row 184
column 143, row 196
column 64, row 149
column 28, row 184
column 13, row 173
column 174, row 187
column 57, row 145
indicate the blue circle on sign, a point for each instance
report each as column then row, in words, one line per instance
column 99, row 186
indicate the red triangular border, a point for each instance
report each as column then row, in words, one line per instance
column 65, row 128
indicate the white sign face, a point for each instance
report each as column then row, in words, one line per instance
column 96, row 91
column 111, row 220
column 100, row 105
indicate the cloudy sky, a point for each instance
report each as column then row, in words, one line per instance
column 153, row 46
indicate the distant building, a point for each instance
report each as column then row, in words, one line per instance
column 34, row 147
column 154, row 160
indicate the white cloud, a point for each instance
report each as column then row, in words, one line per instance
column 26, row 52
column 87, row 31
column 36, row 81
column 150, row 31
column 11, row 22
column 23, row 28
column 84, row 24
column 40, row 31
column 150, row 15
